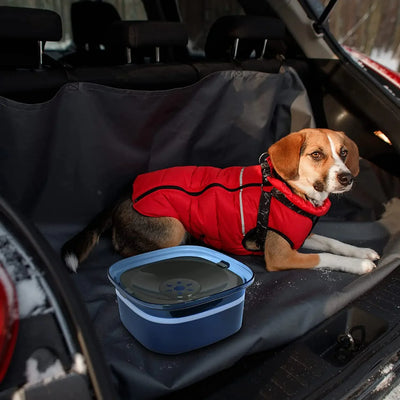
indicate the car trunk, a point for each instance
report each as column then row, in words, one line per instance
column 64, row 160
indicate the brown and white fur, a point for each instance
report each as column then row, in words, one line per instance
column 313, row 162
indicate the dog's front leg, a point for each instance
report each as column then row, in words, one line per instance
column 345, row 257
column 353, row 265
column 323, row 243
column 280, row 256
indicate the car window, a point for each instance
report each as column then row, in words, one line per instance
column 371, row 27
column 127, row 9
column 200, row 15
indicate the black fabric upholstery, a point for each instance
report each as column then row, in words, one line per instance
column 31, row 86
column 141, row 77
column 19, row 53
column 249, row 29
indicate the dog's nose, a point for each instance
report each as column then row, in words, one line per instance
column 345, row 178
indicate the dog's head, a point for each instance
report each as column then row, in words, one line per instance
column 316, row 162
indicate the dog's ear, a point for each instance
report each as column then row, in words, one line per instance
column 285, row 155
column 353, row 157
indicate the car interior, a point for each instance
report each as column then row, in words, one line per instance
column 136, row 95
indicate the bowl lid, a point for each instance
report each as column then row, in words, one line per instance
column 185, row 274
column 178, row 279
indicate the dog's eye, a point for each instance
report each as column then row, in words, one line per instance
column 317, row 155
column 343, row 154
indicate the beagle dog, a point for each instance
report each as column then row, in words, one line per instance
column 267, row 209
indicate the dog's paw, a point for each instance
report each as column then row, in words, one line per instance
column 368, row 254
column 366, row 266
column 354, row 265
column 359, row 266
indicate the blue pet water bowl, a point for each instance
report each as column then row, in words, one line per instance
column 182, row 298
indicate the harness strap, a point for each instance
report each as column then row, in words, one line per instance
column 265, row 202
column 258, row 234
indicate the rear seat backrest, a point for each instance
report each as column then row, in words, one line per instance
column 239, row 36
column 147, row 63
column 25, row 74
column 155, row 40
column 23, row 33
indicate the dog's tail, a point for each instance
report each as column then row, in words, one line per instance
column 79, row 247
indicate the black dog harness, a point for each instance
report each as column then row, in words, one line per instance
column 301, row 215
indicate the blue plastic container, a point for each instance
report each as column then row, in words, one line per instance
column 182, row 298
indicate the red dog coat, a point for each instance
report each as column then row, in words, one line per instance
column 222, row 207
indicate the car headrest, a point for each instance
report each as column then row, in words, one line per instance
column 23, row 32
column 90, row 21
column 136, row 34
column 250, row 30
column 148, row 34
column 29, row 23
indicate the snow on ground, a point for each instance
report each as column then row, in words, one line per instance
column 32, row 299
column 34, row 375
column 388, row 376
column 394, row 394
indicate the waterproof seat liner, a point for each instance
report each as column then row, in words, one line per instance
column 66, row 159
